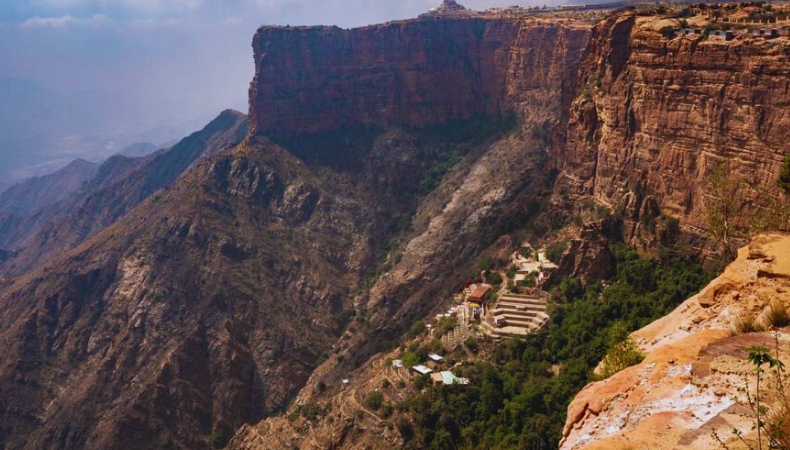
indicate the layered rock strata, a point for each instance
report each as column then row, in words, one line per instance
column 415, row 72
column 653, row 116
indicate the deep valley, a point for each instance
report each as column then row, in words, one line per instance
column 252, row 286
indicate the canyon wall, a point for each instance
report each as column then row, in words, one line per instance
column 415, row 72
column 654, row 115
column 208, row 305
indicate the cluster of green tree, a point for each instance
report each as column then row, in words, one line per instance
column 451, row 141
column 555, row 251
column 519, row 398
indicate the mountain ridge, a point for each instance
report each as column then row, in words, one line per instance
column 206, row 302
column 119, row 184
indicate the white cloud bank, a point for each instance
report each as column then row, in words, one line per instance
column 65, row 21
column 150, row 6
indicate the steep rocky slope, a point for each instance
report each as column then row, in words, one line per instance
column 655, row 115
column 183, row 318
column 41, row 192
column 117, row 186
column 216, row 296
column 688, row 386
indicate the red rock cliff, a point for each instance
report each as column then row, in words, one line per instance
column 412, row 72
column 653, row 115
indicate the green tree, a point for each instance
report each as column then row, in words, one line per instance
column 555, row 251
column 374, row 400
column 783, row 181
column 410, row 360
column 494, row 277
column 735, row 210
column 760, row 356
column 623, row 351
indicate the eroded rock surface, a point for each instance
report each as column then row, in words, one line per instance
column 688, row 386
column 414, row 72
column 653, row 116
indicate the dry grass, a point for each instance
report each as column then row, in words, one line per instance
column 745, row 323
column 777, row 315
column 778, row 427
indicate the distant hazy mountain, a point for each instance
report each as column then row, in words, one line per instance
column 139, row 149
column 42, row 130
column 40, row 192
column 114, row 188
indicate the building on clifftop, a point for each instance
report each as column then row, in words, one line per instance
column 448, row 8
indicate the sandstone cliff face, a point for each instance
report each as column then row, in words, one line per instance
column 688, row 386
column 653, row 116
column 416, row 72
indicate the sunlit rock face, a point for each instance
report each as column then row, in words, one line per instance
column 689, row 384
column 654, row 115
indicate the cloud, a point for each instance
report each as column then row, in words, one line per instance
column 148, row 6
column 231, row 21
column 65, row 21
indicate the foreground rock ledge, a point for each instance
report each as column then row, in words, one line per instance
column 688, row 385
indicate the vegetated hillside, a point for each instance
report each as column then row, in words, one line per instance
column 519, row 396
column 216, row 297
column 518, row 391
column 117, row 186
column 41, row 192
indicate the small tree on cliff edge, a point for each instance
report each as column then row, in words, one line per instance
column 784, row 176
column 736, row 210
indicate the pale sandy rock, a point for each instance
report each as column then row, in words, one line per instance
column 688, row 384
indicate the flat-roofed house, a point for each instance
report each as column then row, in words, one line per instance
column 478, row 292
column 447, row 378
column 422, row 370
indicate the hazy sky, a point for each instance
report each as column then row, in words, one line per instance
column 152, row 63
column 187, row 55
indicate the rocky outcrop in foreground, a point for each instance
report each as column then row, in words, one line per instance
column 688, row 386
